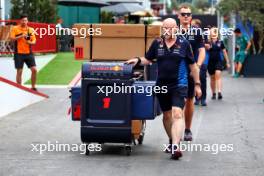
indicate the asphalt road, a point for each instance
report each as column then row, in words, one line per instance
column 237, row 120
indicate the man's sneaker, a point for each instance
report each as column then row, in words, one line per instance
column 203, row 103
column 168, row 150
column 197, row 102
column 188, row 135
column 35, row 89
column 220, row 96
column 175, row 152
column 236, row 75
column 214, row 96
column 176, row 155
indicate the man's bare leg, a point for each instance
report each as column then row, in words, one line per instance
column 239, row 67
column 236, row 66
column 167, row 122
column 188, row 112
column 33, row 77
column 177, row 125
column 19, row 76
column 176, row 131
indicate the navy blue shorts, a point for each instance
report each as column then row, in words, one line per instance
column 174, row 97
column 215, row 65
column 20, row 59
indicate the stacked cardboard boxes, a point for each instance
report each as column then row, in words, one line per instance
column 153, row 31
column 117, row 42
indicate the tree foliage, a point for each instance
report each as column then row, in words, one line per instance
column 38, row 10
column 248, row 10
column 107, row 17
column 202, row 4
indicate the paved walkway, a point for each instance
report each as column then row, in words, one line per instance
column 8, row 71
column 238, row 120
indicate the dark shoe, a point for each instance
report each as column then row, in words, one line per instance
column 236, row 75
column 188, row 135
column 203, row 103
column 214, row 96
column 168, row 150
column 220, row 96
column 35, row 89
column 176, row 155
column 197, row 102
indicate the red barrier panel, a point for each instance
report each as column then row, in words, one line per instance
column 45, row 43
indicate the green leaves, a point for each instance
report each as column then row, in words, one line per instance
column 248, row 10
column 38, row 10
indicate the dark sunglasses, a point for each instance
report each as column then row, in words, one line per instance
column 186, row 14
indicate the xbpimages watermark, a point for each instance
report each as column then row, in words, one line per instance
column 81, row 32
column 196, row 31
column 192, row 147
column 59, row 147
column 124, row 89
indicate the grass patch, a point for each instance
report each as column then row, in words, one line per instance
column 60, row 71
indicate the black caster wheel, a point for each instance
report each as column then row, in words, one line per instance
column 128, row 150
column 140, row 139
column 87, row 151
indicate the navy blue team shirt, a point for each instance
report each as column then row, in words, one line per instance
column 172, row 62
column 216, row 50
column 196, row 40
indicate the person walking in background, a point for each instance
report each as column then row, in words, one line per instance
column 59, row 24
column 242, row 48
column 196, row 23
column 24, row 38
column 197, row 44
column 215, row 64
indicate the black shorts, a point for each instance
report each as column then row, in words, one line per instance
column 191, row 86
column 20, row 59
column 174, row 97
column 215, row 65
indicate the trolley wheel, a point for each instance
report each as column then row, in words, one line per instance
column 128, row 150
column 87, row 151
column 140, row 139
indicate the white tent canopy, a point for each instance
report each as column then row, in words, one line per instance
column 123, row 8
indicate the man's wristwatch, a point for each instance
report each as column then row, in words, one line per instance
column 199, row 66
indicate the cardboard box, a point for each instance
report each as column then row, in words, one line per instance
column 136, row 128
column 82, row 30
column 117, row 49
column 121, row 30
column 153, row 32
column 82, row 48
column 118, row 42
